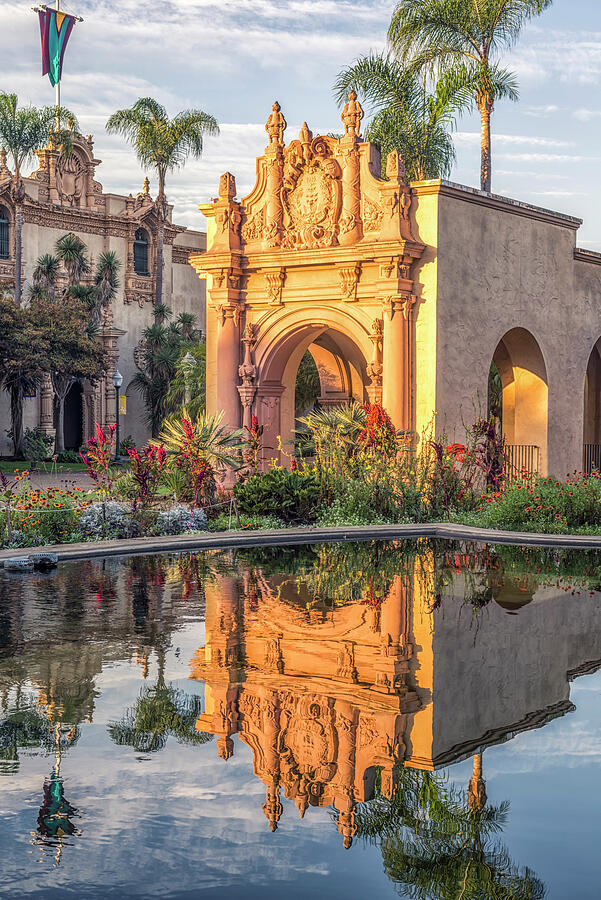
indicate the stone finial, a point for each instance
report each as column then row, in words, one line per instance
column 395, row 166
column 276, row 125
column 146, row 186
column 351, row 116
column 227, row 186
column 305, row 135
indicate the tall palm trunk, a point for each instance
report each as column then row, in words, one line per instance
column 485, row 105
column 18, row 196
column 16, row 418
column 162, row 211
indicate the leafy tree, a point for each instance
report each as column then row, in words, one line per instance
column 405, row 116
column 23, row 131
column 72, row 354
column 23, row 361
column 463, row 39
column 163, row 144
column 74, row 317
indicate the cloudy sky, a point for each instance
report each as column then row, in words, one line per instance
column 232, row 58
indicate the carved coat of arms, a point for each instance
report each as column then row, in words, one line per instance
column 311, row 193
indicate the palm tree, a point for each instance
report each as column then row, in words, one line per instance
column 23, row 131
column 463, row 38
column 436, row 842
column 405, row 116
column 157, row 371
column 163, row 144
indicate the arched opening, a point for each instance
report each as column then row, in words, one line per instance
column 339, row 362
column 141, row 252
column 592, row 411
column 4, row 233
column 518, row 392
column 74, row 417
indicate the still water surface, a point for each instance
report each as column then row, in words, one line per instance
column 343, row 721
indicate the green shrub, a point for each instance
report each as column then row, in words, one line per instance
column 545, row 505
column 68, row 456
column 290, row 495
column 37, row 445
column 222, row 522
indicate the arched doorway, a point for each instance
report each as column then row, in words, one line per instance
column 341, row 365
column 74, row 417
column 524, row 408
column 592, row 411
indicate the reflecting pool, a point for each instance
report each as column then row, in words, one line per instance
column 363, row 720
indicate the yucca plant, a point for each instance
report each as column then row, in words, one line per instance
column 218, row 445
column 71, row 251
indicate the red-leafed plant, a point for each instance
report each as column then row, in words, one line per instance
column 379, row 434
column 146, row 469
column 97, row 458
column 191, row 459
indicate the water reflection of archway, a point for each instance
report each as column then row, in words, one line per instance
column 592, row 411
column 521, row 367
column 340, row 354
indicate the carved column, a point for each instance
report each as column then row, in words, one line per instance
column 47, row 406
column 247, row 372
column 375, row 368
column 395, row 381
column 274, row 163
column 350, row 230
column 271, row 732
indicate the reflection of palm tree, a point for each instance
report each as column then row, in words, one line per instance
column 439, row 844
column 161, row 710
column 29, row 729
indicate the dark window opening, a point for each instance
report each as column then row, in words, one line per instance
column 141, row 252
column 4, row 234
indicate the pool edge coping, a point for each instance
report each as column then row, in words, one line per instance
column 297, row 536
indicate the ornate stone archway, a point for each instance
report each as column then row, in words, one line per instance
column 319, row 253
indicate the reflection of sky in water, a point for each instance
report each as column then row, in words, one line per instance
column 183, row 823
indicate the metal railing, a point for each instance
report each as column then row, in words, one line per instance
column 521, row 460
column 591, row 458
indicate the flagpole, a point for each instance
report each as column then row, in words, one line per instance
column 58, row 86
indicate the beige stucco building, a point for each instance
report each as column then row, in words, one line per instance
column 62, row 196
column 403, row 293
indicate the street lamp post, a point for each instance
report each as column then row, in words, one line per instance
column 117, row 382
column 188, row 363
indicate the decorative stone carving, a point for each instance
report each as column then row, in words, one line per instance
column 349, row 279
column 248, row 372
column 4, row 170
column 275, row 285
column 351, row 116
column 252, row 230
column 227, row 186
column 375, row 368
column 395, row 167
column 372, row 215
column 311, row 193
column 276, row 125
column 346, row 662
column 70, row 180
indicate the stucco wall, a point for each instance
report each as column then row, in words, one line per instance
column 502, row 266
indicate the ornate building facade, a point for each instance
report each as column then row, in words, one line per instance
column 403, row 293
column 63, row 196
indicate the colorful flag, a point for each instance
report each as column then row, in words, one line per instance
column 55, row 29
